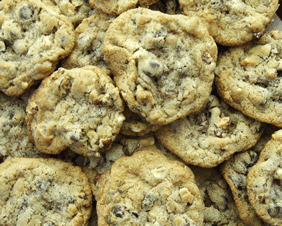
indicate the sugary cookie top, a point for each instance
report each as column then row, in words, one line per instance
column 235, row 172
column 116, row 7
column 43, row 192
column 88, row 49
column 210, row 136
column 147, row 188
column 220, row 208
column 232, row 22
column 163, row 64
column 33, row 38
column 78, row 108
column 264, row 182
column 249, row 78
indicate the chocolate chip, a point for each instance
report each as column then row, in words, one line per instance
column 117, row 211
column 73, row 138
column 148, row 202
column 11, row 114
column 154, row 65
column 274, row 211
column 25, row 13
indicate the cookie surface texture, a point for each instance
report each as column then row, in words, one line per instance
column 220, row 208
column 264, row 182
column 148, row 189
column 76, row 10
column 117, row 7
column 163, row 64
column 33, row 37
column 79, row 108
column 232, row 22
column 235, row 172
column 43, row 192
column 210, row 136
column 249, row 78
column 88, row 49
column 14, row 140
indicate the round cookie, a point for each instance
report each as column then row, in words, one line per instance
column 94, row 167
column 235, row 171
column 79, row 108
column 220, row 208
column 162, row 64
column 136, row 125
column 210, row 136
column 88, row 49
column 14, row 140
column 76, row 10
column 264, row 182
column 249, row 78
column 43, row 192
column 116, row 7
column 33, row 37
column 232, row 22
column 148, row 189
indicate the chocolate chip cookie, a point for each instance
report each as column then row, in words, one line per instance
column 162, row 64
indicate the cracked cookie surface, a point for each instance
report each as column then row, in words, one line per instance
column 163, row 64
column 210, row 136
column 88, row 49
column 78, row 108
column 264, row 182
column 147, row 188
column 249, row 78
column 43, row 192
column 232, row 22
column 235, row 172
column 33, row 37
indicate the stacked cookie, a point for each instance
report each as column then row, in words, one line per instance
column 140, row 112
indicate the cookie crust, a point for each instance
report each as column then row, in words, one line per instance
column 148, row 188
column 210, row 136
column 264, row 182
column 232, row 22
column 79, row 108
column 249, row 78
column 163, row 64
column 33, row 37
column 42, row 192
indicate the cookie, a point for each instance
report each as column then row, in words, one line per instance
column 162, row 64
column 88, row 49
column 148, row 189
column 220, row 208
column 94, row 167
column 136, row 125
column 232, row 22
column 249, row 78
column 235, row 171
column 33, row 37
column 43, row 192
column 210, row 136
column 14, row 140
column 76, row 11
column 78, row 108
column 264, row 182
column 117, row 7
